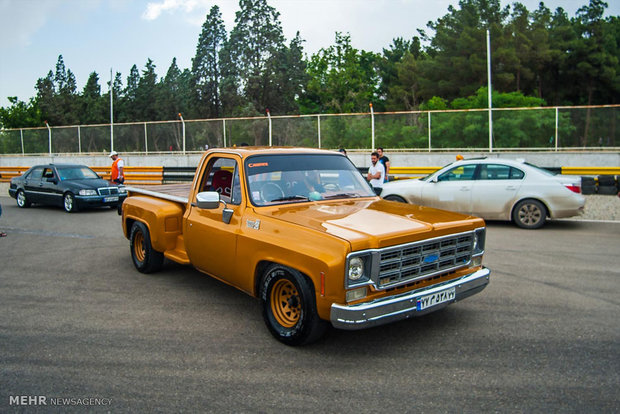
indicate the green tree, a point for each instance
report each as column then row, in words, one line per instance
column 93, row 106
column 20, row 114
column 254, row 42
column 342, row 79
column 205, row 66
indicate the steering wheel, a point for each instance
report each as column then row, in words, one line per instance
column 271, row 191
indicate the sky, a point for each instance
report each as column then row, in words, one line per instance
column 100, row 35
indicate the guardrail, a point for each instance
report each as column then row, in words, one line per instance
column 595, row 180
column 133, row 175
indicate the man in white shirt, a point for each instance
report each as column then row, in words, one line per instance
column 376, row 173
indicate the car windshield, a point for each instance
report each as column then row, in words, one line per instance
column 76, row 173
column 294, row 178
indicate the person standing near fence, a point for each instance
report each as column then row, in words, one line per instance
column 117, row 174
column 386, row 163
column 376, row 173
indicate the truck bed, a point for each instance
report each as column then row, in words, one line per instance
column 173, row 192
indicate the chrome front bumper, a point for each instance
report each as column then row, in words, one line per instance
column 403, row 306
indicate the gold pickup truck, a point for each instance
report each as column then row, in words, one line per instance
column 303, row 231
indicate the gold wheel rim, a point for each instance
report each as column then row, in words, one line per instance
column 138, row 246
column 285, row 303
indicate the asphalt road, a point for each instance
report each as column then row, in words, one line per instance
column 78, row 321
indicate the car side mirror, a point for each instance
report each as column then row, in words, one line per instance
column 434, row 179
column 208, row 200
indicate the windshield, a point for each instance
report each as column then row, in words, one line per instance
column 76, row 173
column 294, row 178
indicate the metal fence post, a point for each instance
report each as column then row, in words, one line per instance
column 183, row 122
column 429, row 131
column 79, row 140
column 224, row 129
column 21, row 134
column 557, row 123
column 49, row 137
column 372, row 127
column 146, row 140
column 269, row 119
column 318, row 118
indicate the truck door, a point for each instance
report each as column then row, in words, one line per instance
column 211, row 243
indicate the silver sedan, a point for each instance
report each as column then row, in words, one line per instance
column 494, row 189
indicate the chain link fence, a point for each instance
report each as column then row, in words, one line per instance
column 532, row 129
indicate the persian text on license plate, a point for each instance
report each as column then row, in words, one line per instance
column 108, row 199
column 436, row 298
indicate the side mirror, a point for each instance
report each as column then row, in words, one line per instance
column 434, row 179
column 208, row 200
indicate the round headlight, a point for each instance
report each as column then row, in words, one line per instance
column 356, row 268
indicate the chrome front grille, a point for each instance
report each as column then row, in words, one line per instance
column 408, row 262
column 104, row 191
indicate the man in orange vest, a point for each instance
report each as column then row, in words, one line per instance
column 117, row 175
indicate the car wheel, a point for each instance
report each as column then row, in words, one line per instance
column 22, row 201
column 145, row 258
column 289, row 306
column 529, row 214
column 396, row 198
column 69, row 203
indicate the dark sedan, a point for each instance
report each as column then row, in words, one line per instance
column 71, row 186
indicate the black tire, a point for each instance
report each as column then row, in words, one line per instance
column 607, row 190
column 588, row 181
column 529, row 214
column 588, row 189
column 22, row 201
column 289, row 306
column 69, row 204
column 606, row 181
column 393, row 197
column 145, row 258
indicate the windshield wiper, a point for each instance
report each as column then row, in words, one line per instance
column 343, row 195
column 291, row 198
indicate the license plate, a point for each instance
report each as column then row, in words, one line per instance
column 436, row 298
column 108, row 199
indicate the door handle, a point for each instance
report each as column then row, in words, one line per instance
column 464, row 189
column 510, row 187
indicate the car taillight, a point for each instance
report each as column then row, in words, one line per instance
column 573, row 188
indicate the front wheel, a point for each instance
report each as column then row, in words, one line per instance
column 22, row 201
column 289, row 306
column 69, row 203
column 145, row 258
column 529, row 214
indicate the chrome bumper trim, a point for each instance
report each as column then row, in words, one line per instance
column 403, row 306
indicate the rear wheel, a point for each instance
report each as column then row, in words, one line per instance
column 529, row 214
column 69, row 203
column 145, row 258
column 396, row 198
column 22, row 201
column 289, row 306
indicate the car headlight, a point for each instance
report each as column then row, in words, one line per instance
column 122, row 190
column 479, row 239
column 358, row 270
column 88, row 192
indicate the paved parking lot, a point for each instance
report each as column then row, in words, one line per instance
column 79, row 322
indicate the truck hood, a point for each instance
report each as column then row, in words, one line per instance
column 374, row 223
